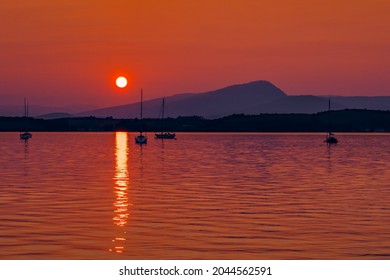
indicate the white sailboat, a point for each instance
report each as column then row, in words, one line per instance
column 25, row 135
column 141, row 138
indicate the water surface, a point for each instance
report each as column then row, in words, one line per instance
column 203, row 196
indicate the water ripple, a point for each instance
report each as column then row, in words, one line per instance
column 204, row 196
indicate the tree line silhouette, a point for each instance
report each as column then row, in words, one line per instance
column 341, row 121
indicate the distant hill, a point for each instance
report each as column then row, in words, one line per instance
column 302, row 104
column 38, row 110
column 213, row 104
column 363, row 102
column 57, row 115
column 254, row 98
column 250, row 98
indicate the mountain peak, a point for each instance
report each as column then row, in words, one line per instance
column 254, row 87
column 238, row 98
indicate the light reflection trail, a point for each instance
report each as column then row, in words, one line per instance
column 121, row 180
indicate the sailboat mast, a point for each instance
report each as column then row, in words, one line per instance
column 25, row 107
column 163, row 108
column 141, row 103
column 329, row 117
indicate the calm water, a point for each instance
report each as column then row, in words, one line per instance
column 204, row 196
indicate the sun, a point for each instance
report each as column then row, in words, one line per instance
column 121, row 82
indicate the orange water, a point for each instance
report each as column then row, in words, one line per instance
column 203, row 196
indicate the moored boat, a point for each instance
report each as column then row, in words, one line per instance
column 164, row 134
column 330, row 137
column 141, row 139
column 25, row 135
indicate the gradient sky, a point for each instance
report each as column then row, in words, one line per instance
column 69, row 52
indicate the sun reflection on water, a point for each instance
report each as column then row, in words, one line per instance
column 121, row 179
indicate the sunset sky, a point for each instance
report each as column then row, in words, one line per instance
column 70, row 52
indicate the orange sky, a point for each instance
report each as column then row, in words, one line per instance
column 68, row 52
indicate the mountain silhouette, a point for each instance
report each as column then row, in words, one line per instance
column 248, row 98
column 233, row 99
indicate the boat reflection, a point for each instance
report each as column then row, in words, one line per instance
column 121, row 180
column 25, row 146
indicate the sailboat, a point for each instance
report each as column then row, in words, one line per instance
column 25, row 135
column 330, row 137
column 141, row 139
column 164, row 134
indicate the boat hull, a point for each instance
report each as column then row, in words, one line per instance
column 141, row 139
column 25, row 135
column 331, row 140
column 165, row 135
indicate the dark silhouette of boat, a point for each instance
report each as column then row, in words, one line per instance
column 164, row 134
column 141, row 138
column 25, row 135
column 330, row 137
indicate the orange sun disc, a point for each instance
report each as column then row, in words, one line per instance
column 121, row 82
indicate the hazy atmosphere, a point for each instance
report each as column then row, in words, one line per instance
column 70, row 52
column 232, row 130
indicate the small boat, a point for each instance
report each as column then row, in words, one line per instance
column 141, row 139
column 164, row 134
column 330, row 137
column 25, row 135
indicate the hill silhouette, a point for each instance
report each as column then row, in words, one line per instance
column 258, row 97
column 233, row 99
column 56, row 115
